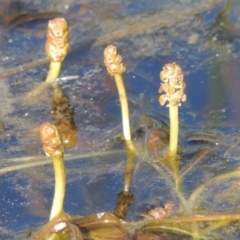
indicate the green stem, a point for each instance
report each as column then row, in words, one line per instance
column 60, row 185
column 124, row 106
column 54, row 71
column 131, row 152
column 173, row 144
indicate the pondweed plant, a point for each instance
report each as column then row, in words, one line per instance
column 53, row 148
column 173, row 86
column 57, row 48
column 115, row 67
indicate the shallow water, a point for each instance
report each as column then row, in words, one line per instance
column 195, row 35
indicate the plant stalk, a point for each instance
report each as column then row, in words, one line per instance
column 54, row 71
column 174, row 128
column 130, row 149
column 124, row 106
column 60, row 183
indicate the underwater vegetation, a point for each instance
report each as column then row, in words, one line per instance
column 164, row 179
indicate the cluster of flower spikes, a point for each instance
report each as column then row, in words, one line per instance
column 173, row 85
column 113, row 61
column 51, row 140
column 57, row 45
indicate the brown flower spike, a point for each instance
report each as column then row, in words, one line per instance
column 173, row 85
column 57, row 45
column 113, row 61
column 51, row 141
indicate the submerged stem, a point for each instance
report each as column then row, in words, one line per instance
column 129, row 166
column 178, row 193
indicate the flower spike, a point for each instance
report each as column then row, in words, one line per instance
column 53, row 147
column 173, row 87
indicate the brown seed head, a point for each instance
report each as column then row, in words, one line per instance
column 172, row 72
column 173, row 85
column 113, row 61
column 57, row 45
column 51, row 141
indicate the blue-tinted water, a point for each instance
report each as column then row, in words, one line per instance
column 186, row 33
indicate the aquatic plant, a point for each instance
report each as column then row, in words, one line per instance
column 115, row 67
column 57, row 46
column 53, row 148
column 173, row 87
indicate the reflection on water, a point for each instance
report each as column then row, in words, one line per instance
column 199, row 35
